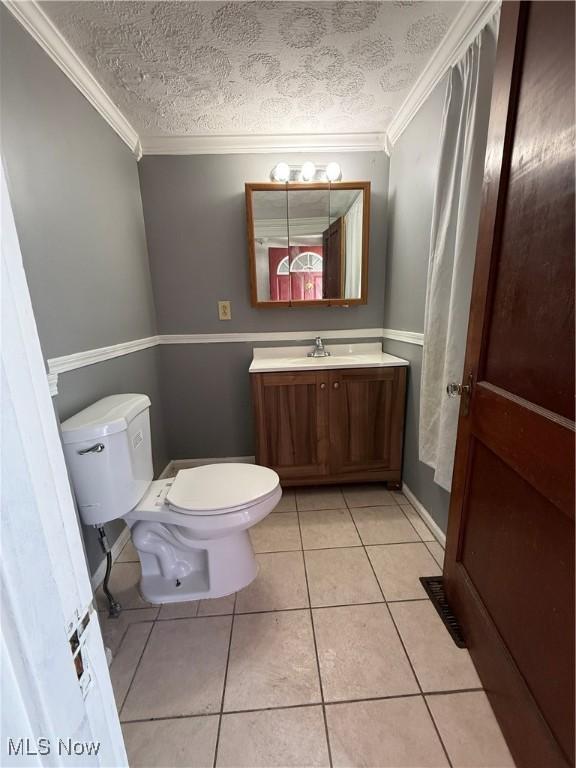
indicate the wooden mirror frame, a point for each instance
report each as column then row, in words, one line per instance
column 260, row 187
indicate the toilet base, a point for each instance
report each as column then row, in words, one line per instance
column 202, row 570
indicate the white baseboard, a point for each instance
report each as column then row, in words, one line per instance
column 98, row 576
column 435, row 529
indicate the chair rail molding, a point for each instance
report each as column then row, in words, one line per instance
column 263, row 336
column 49, row 38
column 53, row 383
column 408, row 337
column 76, row 360
column 65, row 363
column 472, row 18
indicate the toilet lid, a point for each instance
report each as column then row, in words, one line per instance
column 219, row 488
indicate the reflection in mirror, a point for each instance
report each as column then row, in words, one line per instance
column 343, row 244
column 308, row 219
column 270, row 211
column 308, row 243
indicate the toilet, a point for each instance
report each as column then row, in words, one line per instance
column 190, row 531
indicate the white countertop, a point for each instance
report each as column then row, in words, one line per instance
column 369, row 355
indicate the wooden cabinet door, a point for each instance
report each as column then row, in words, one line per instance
column 291, row 422
column 366, row 420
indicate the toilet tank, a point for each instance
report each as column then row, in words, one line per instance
column 109, row 455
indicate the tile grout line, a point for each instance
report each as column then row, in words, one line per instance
column 345, row 546
column 400, row 507
column 417, row 695
column 136, row 668
column 267, row 610
column 421, row 689
column 402, row 641
column 419, row 540
column 440, row 564
column 404, row 648
column 326, row 732
column 114, row 655
column 225, row 681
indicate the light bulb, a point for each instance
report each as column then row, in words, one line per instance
column 333, row 172
column 280, row 172
column 308, row 171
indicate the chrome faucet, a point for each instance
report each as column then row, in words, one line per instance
column 319, row 349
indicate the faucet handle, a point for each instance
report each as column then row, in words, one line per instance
column 318, row 350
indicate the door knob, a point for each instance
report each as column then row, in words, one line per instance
column 454, row 389
column 457, row 390
column 322, row 386
column 336, row 385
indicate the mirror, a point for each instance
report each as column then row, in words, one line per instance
column 308, row 243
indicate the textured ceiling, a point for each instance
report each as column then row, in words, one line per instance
column 244, row 68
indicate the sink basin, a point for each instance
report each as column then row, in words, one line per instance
column 295, row 358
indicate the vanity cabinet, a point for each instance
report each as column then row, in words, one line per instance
column 331, row 426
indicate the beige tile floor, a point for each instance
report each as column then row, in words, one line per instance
column 333, row 656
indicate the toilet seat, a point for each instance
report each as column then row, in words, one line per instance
column 217, row 489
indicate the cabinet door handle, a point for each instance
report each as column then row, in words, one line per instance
column 322, row 386
column 336, row 385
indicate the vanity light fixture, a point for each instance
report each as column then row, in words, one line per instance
column 333, row 172
column 308, row 171
column 281, row 173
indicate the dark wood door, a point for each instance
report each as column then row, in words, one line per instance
column 291, row 422
column 509, row 568
column 366, row 420
column 333, row 267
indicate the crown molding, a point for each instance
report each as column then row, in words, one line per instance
column 46, row 34
column 231, row 145
column 312, row 226
column 466, row 26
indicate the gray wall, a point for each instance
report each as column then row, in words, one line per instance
column 196, row 229
column 76, row 199
column 78, row 209
column 412, row 176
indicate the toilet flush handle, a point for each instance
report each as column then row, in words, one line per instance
column 98, row 448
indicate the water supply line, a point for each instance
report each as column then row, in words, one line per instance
column 114, row 607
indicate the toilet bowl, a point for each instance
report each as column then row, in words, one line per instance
column 190, row 531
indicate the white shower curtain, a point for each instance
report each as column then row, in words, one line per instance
column 454, row 231
column 353, row 238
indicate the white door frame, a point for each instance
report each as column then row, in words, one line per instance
column 44, row 581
